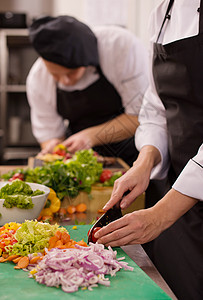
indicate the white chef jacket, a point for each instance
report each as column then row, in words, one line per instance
column 124, row 62
column 184, row 23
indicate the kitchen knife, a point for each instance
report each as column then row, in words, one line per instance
column 111, row 215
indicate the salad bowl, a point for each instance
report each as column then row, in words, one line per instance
column 19, row 215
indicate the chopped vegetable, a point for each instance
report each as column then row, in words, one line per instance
column 23, row 262
column 18, row 194
column 7, row 236
column 60, row 149
column 80, row 267
column 32, row 237
column 71, row 209
column 81, row 207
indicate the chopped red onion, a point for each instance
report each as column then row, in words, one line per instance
column 83, row 267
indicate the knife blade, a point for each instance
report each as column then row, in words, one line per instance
column 111, row 215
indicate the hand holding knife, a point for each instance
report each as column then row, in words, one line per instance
column 111, row 215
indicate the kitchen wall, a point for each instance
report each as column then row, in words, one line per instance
column 133, row 14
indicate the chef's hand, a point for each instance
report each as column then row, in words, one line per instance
column 135, row 180
column 48, row 146
column 79, row 141
column 137, row 227
column 144, row 225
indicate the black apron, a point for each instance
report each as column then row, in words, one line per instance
column 178, row 75
column 96, row 104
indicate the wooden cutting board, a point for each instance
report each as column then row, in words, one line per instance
column 15, row 284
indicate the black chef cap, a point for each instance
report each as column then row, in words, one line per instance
column 65, row 41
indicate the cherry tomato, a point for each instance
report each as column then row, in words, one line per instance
column 93, row 233
column 19, row 176
column 105, row 175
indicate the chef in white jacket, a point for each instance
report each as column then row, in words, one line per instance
column 169, row 139
column 94, row 79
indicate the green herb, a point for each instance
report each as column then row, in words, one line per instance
column 66, row 178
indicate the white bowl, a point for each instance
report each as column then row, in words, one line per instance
column 19, row 215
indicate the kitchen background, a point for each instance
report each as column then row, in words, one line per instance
column 17, row 56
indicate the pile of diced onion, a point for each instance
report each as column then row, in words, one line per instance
column 83, row 267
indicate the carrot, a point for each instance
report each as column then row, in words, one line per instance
column 2, row 259
column 12, row 257
column 65, row 237
column 52, row 241
column 61, row 247
column 71, row 209
column 81, row 207
column 16, row 260
column 82, row 243
column 23, row 262
column 35, row 259
column 5, row 255
column 39, row 218
column 62, row 211
column 67, row 245
column 101, row 211
column 59, row 243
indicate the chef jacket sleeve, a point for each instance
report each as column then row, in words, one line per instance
column 124, row 62
column 41, row 94
column 190, row 180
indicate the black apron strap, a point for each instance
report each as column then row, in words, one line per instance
column 201, row 17
column 167, row 16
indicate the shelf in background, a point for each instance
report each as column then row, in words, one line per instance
column 13, row 88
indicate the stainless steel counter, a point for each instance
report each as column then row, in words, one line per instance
column 139, row 256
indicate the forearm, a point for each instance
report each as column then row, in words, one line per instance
column 115, row 130
column 148, row 158
column 171, row 207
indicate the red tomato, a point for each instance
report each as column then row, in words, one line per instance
column 105, row 175
column 19, row 176
column 93, row 233
column 60, row 152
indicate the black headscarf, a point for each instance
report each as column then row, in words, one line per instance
column 65, row 41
